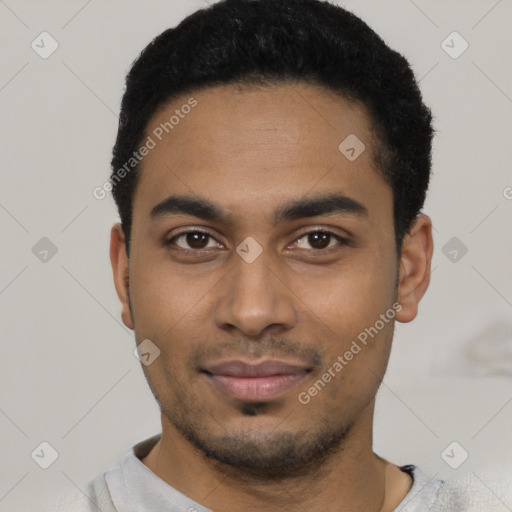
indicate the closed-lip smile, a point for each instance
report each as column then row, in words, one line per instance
column 255, row 382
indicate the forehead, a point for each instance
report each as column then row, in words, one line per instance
column 240, row 145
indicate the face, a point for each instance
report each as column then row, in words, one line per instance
column 263, row 267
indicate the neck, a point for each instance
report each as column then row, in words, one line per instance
column 352, row 478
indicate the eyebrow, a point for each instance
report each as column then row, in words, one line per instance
column 329, row 204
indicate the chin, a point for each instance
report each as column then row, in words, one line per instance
column 263, row 450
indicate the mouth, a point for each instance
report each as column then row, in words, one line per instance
column 255, row 382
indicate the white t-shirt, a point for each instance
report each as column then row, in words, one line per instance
column 133, row 487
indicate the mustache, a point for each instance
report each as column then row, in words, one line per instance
column 272, row 347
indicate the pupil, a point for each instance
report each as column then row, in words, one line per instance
column 319, row 240
column 196, row 240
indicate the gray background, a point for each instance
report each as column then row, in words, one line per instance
column 67, row 372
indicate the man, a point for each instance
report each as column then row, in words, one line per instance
column 271, row 163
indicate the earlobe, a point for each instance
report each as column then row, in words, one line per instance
column 415, row 264
column 120, row 270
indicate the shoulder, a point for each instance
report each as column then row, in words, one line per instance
column 476, row 491
column 95, row 497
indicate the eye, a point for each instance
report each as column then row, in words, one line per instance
column 194, row 240
column 319, row 240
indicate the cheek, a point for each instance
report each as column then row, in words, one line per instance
column 172, row 310
column 348, row 298
column 163, row 295
column 353, row 370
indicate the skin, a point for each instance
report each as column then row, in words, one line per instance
column 251, row 150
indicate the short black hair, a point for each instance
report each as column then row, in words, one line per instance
column 276, row 41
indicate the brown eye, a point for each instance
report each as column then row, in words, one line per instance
column 318, row 240
column 196, row 240
column 193, row 240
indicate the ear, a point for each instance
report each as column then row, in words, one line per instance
column 415, row 263
column 120, row 269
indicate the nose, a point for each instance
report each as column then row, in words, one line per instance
column 254, row 298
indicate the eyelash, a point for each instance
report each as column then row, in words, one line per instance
column 343, row 241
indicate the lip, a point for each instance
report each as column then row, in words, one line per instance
column 255, row 382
